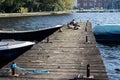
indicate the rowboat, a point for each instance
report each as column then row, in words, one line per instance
column 11, row 49
column 30, row 35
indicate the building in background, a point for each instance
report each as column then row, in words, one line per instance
column 98, row 4
column 114, row 4
column 117, row 3
column 75, row 3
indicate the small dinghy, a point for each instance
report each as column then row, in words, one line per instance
column 11, row 49
column 13, row 44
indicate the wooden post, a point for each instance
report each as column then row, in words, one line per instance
column 13, row 71
column 86, row 28
column 13, row 66
column 47, row 39
column 87, row 23
column 88, row 70
column 86, row 38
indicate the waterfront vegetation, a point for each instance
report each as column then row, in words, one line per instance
column 13, row 6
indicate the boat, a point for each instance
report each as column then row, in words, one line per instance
column 30, row 35
column 11, row 49
column 107, row 32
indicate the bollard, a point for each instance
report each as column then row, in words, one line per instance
column 13, row 67
column 47, row 39
column 86, row 29
column 88, row 70
column 87, row 22
column 86, row 39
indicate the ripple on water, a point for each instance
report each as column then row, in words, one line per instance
column 111, row 58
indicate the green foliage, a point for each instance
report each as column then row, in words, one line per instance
column 23, row 10
column 11, row 6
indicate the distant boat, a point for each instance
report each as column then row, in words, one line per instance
column 11, row 49
column 107, row 32
column 30, row 35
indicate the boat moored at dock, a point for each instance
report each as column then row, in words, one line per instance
column 30, row 35
column 107, row 32
column 11, row 49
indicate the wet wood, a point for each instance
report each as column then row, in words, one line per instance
column 66, row 56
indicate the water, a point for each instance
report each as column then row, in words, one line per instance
column 110, row 52
column 31, row 23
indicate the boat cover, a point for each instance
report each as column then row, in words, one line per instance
column 107, row 29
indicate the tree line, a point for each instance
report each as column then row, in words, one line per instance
column 10, row 6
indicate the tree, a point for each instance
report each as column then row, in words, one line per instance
column 1, row 4
column 7, row 5
column 35, row 5
column 69, row 4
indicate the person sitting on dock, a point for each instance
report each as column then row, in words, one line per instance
column 75, row 24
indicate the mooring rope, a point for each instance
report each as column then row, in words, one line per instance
column 34, row 72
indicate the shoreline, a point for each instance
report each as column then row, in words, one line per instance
column 6, row 15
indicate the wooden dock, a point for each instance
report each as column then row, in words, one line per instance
column 65, row 56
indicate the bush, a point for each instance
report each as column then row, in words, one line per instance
column 23, row 10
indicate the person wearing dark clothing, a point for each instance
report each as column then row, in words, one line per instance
column 73, row 22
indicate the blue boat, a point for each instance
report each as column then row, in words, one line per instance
column 107, row 32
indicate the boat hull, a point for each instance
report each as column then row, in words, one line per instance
column 37, row 35
column 107, row 32
column 107, row 38
column 9, row 55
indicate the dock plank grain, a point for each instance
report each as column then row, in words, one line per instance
column 65, row 56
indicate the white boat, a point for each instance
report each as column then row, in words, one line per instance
column 13, row 44
column 11, row 49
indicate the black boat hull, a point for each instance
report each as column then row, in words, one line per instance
column 9, row 55
column 106, row 38
column 38, row 35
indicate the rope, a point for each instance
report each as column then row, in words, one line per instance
column 34, row 72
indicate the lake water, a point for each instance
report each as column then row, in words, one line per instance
column 110, row 52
